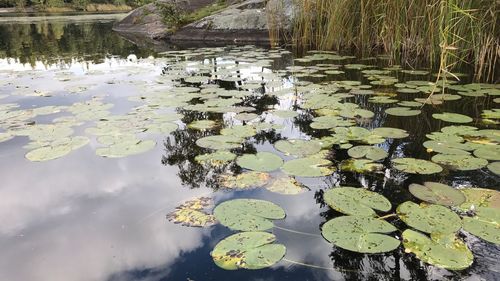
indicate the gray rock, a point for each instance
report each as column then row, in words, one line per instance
column 283, row 13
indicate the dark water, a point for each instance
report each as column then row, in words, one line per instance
column 83, row 217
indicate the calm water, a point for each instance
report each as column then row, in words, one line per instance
column 85, row 217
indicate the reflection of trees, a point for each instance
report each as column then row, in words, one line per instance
column 58, row 42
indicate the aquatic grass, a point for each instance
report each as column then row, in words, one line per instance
column 438, row 33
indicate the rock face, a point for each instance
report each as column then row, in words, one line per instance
column 244, row 22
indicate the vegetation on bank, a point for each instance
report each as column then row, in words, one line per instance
column 175, row 17
column 73, row 5
column 443, row 33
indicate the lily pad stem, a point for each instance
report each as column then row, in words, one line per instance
column 387, row 216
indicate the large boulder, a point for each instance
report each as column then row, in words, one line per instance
column 245, row 22
column 149, row 20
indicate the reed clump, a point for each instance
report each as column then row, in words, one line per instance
column 443, row 33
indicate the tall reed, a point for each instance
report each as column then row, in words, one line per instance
column 443, row 33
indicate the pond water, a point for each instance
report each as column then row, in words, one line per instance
column 99, row 145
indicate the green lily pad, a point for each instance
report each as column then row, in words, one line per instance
column 371, row 152
column 494, row 168
column 445, row 147
column 356, row 201
column 452, row 117
column 215, row 159
column 416, row 166
column 360, row 165
column 244, row 180
column 297, row 147
column 460, row 162
column 392, row 133
column 485, row 224
column 220, row 142
column 125, row 149
column 248, row 250
column 287, row 186
column 437, row 193
column 202, row 124
column 242, row 131
column 445, row 251
column 309, row 167
column 261, row 162
column 248, row 214
column 429, row 218
column 245, row 116
column 360, row 234
column 402, row 111
column 489, row 152
column 329, row 122
column 480, row 197
column 56, row 149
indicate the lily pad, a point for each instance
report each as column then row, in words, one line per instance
column 202, row 124
column 287, row 186
column 437, row 193
column 429, row 218
column 360, row 234
column 245, row 116
column 485, row 224
column 248, row 250
column 56, row 149
column 242, row 131
column 215, row 159
column 309, row 167
column 125, row 149
column 445, row 251
column 392, row 133
column 356, row 201
column 452, row 117
column 445, row 147
column 480, row 197
column 297, row 147
column 248, row 214
column 402, row 111
column 262, row 161
column 494, row 168
column 460, row 162
column 220, row 142
column 416, row 166
column 244, row 180
column 489, row 152
column 371, row 152
column 360, row 165
column 190, row 213
column 285, row 113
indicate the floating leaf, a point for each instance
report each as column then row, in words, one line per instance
column 393, row 133
column 241, row 131
column 308, row 167
column 445, row 147
column 452, row 117
column 248, row 214
column 416, row 166
column 437, row 193
column 217, row 158
column 440, row 250
column 190, row 213
column 285, row 113
column 245, row 116
column 202, row 124
column 360, row 234
column 220, row 142
column 248, row 250
column 286, row 185
column 485, row 224
column 460, row 162
column 244, row 180
column 298, row 147
column 262, row 161
column 56, row 149
column 489, row 152
column 429, row 218
column 480, row 197
column 126, row 149
column 402, row 111
column 494, row 168
column 371, row 152
column 360, row 165
column 356, row 201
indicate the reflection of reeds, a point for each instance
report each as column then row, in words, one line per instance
column 438, row 32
